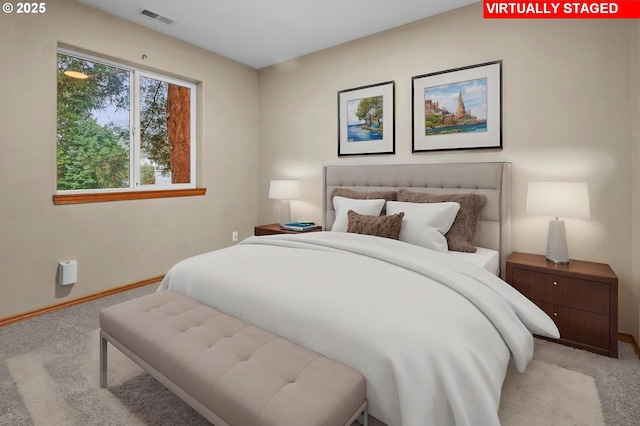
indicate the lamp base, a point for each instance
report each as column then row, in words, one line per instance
column 557, row 250
column 285, row 212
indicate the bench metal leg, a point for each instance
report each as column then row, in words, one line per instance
column 366, row 415
column 363, row 418
column 103, row 362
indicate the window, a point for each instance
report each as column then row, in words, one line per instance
column 122, row 128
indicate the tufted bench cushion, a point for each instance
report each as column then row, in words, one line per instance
column 231, row 372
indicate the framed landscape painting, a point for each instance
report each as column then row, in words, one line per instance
column 366, row 120
column 459, row 108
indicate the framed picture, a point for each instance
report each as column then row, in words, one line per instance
column 366, row 120
column 458, row 109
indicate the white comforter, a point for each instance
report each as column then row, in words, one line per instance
column 432, row 334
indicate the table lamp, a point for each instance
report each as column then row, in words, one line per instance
column 284, row 190
column 558, row 199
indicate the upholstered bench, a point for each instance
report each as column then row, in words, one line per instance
column 231, row 372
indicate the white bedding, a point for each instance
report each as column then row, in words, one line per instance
column 433, row 350
column 484, row 257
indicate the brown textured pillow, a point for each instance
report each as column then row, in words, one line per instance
column 463, row 231
column 363, row 195
column 379, row 226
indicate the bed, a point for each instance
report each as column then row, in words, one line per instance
column 432, row 332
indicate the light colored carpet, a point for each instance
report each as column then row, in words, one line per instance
column 546, row 394
column 59, row 385
column 49, row 376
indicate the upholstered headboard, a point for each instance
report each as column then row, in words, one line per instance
column 490, row 179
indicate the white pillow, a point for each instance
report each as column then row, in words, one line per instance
column 428, row 237
column 343, row 205
column 422, row 219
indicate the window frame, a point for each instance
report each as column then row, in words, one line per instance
column 73, row 196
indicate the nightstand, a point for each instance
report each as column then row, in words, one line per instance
column 274, row 228
column 581, row 298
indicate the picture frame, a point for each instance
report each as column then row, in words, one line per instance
column 456, row 109
column 366, row 122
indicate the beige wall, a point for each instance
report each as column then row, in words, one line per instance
column 114, row 243
column 567, row 103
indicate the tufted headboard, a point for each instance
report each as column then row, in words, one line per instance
column 490, row 179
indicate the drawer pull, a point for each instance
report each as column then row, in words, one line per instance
column 555, row 314
column 555, row 283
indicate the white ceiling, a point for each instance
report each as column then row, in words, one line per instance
column 260, row 33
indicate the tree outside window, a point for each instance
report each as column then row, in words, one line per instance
column 122, row 128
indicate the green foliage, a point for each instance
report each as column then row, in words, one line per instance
column 91, row 156
column 94, row 156
column 432, row 121
column 147, row 175
column 154, row 134
column 370, row 110
column 105, row 86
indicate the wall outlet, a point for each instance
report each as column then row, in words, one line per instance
column 234, row 236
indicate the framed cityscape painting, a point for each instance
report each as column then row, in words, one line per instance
column 459, row 108
column 366, row 120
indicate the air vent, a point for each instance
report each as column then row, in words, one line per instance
column 155, row 16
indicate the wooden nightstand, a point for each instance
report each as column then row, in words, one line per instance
column 274, row 228
column 581, row 298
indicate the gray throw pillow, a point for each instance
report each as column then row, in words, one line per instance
column 463, row 231
column 379, row 226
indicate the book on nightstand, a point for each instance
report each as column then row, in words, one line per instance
column 301, row 226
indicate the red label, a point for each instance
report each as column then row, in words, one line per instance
column 561, row 9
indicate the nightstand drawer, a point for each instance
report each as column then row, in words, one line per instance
column 579, row 326
column 533, row 285
column 574, row 293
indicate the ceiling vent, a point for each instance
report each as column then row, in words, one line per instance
column 156, row 16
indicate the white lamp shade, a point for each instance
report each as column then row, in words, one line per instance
column 558, row 199
column 284, row 190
